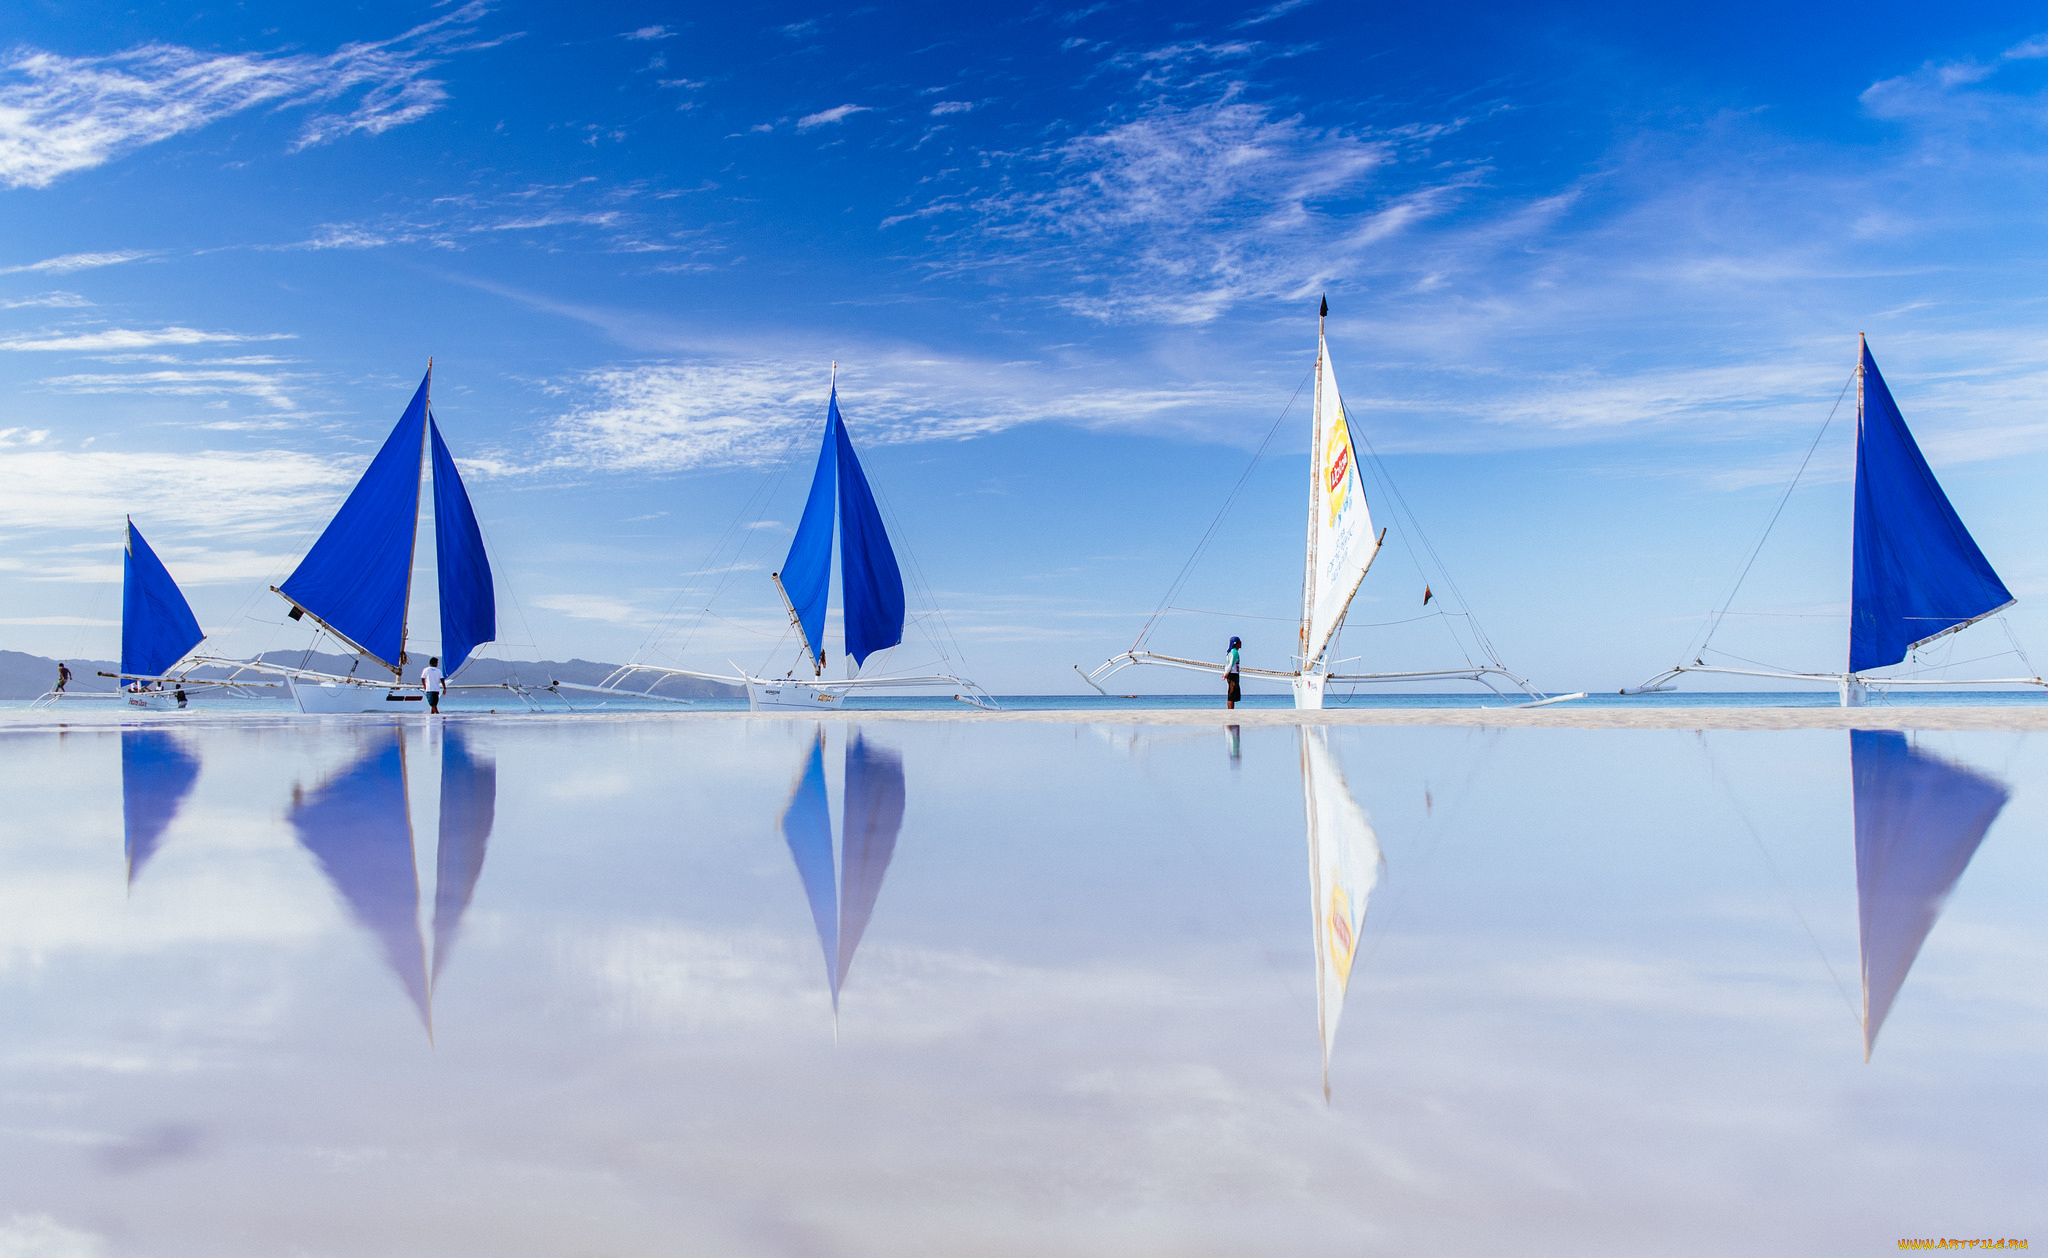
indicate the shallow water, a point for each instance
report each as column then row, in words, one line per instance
column 493, row 986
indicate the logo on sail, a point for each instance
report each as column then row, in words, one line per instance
column 1337, row 472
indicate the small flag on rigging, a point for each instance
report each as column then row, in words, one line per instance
column 1426, row 596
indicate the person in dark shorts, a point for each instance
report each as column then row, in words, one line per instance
column 63, row 676
column 1231, row 693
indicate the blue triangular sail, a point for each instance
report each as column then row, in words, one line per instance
column 807, row 828
column 358, row 826
column 873, row 818
column 469, row 603
column 157, row 624
column 356, row 578
column 807, row 570
column 469, row 806
column 157, row 774
column 1919, row 820
column 867, row 563
column 1918, row 572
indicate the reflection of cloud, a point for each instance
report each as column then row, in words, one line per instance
column 150, row 1147
column 63, row 114
column 40, row 1236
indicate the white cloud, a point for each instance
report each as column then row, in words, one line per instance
column 951, row 107
column 60, row 115
column 665, row 417
column 598, row 607
column 69, row 261
column 209, row 491
column 79, row 622
column 271, row 389
column 651, row 32
column 134, row 338
column 55, row 300
column 825, row 117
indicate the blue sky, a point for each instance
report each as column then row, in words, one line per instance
column 1595, row 279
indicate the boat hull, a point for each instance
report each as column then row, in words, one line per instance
column 332, row 698
column 785, row 695
column 1308, row 692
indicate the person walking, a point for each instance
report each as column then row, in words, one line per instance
column 434, row 684
column 63, row 676
column 1231, row 693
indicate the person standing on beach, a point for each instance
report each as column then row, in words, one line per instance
column 434, row 684
column 63, row 675
column 1231, row 693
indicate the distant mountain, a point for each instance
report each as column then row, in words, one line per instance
column 25, row 676
column 28, row 676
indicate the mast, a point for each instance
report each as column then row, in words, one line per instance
column 1862, row 352
column 1315, row 480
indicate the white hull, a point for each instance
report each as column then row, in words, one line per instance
column 331, row 698
column 1308, row 692
column 784, row 695
column 1854, row 693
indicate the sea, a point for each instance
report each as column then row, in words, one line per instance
column 721, row 985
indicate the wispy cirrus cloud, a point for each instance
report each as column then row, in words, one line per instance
column 60, row 115
column 209, row 492
column 52, row 301
column 72, row 261
column 131, row 339
column 826, row 117
column 274, row 389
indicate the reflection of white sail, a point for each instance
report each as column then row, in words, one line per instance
column 1919, row 820
column 1344, row 866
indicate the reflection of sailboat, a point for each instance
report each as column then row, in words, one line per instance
column 843, row 899
column 157, row 774
column 1919, row 820
column 469, row 804
column 1343, row 867
column 358, row 826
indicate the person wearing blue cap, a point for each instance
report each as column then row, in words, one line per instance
column 1231, row 693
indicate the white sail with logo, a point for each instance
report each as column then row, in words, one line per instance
column 1341, row 543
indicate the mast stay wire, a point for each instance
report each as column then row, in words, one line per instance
column 1714, row 619
column 1187, row 569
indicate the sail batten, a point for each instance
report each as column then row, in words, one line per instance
column 1916, row 567
column 357, row 578
column 469, row 602
column 157, row 624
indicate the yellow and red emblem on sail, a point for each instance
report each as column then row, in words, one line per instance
column 1342, row 942
column 1337, row 466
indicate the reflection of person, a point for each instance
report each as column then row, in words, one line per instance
column 1231, row 694
column 63, row 675
column 433, row 683
column 1231, row 735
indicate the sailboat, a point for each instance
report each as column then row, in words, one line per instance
column 358, row 825
column 1919, row 820
column 1916, row 573
column 1341, row 547
column 1344, row 864
column 355, row 583
column 842, row 894
column 158, row 634
column 872, row 605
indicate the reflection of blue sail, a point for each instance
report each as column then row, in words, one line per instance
column 807, row 827
column 870, row 821
column 469, row 805
column 873, row 583
column 156, row 776
column 358, row 827
column 873, row 817
column 1919, row 820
